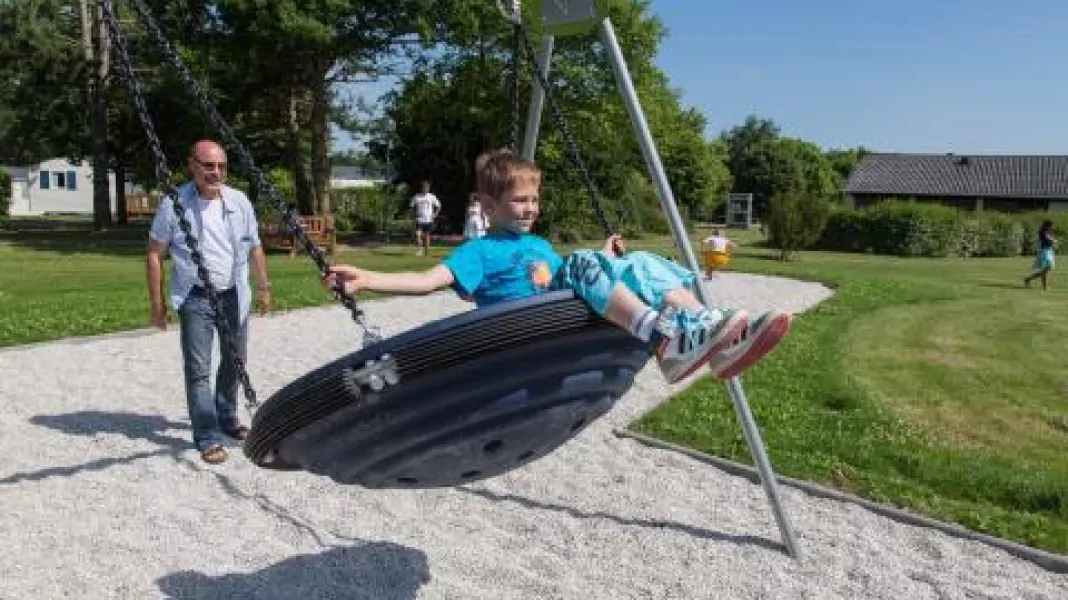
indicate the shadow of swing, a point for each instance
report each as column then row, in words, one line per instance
column 697, row 532
column 368, row 570
column 348, row 568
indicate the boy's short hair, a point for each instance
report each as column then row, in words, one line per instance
column 496, row 171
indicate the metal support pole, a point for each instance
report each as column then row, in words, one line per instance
column 537, row 100
column 682, row 242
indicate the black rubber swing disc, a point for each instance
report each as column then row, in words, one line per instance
column 480, row 393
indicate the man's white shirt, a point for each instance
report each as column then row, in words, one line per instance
column 425, row 206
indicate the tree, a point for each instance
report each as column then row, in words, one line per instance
column 312, row 46
column 457, row 105
column 5, row 198
column 843, row 162
column 795, row 221
column 765, row 164
column 42, row 78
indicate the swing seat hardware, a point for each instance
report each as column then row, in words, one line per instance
column 376, row 374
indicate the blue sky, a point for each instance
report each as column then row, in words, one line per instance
column 963, row 76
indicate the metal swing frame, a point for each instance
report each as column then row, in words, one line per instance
column 568, row 17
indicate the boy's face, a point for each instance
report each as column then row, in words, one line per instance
column 518, row 208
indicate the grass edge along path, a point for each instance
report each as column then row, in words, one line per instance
column 819, row 425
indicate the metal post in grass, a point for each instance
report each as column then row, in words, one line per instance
column 562, row 17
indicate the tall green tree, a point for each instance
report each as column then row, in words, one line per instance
column 42, row 81
column 764, row 163
column 310, row 47
column 458, row 104
column 844, row 161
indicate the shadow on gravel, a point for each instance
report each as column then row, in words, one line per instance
column 349, row 566
column 371, row 570
column 740, row 540
column 90, row 423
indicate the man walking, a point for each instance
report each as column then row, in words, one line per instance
column 224, row 225
column 426, row 207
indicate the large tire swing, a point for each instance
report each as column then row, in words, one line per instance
column 480, row 393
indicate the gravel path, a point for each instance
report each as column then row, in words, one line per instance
column 103, row 497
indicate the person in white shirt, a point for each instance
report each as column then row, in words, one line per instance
column 426, row 207
column 477, row 222
column 223, row 223
column 718, row 253
column 718, row 242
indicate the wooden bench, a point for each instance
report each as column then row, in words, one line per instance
column 320, row 230
column 141, row 205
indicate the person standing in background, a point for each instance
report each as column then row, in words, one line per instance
column 426, row 206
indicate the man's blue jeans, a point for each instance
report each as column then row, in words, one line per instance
column 210, row 413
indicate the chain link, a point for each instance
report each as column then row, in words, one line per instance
column 163, row 176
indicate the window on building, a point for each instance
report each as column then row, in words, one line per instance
column 44, row 179
column 61, row 179
column 71, row 181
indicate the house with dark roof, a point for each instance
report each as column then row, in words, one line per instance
column 969, row 182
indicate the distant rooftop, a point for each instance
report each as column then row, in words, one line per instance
column 961, row 175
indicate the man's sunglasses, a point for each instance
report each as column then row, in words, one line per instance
column 211, row 165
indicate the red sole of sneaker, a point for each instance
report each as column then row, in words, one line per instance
column 731, row 335
column 767, row 339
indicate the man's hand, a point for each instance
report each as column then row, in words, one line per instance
column 263, row 299
column 158, row 317
column 613, row 246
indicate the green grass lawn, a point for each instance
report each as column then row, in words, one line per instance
column 56, row 285
column 936, row 385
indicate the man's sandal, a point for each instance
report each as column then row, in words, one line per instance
column 213, row 454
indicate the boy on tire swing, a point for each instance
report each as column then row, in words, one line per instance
column 640, row 292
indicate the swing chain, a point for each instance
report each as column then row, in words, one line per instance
column 245, row 160
column 163, row 176
column 569, row 140
column 513, row 84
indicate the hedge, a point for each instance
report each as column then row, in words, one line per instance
column 908, row 228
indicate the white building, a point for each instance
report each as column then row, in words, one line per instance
column 55, row 186
column 343, row 177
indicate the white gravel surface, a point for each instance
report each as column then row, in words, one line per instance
column 102, row 496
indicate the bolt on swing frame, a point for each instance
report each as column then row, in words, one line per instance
column 568, row 17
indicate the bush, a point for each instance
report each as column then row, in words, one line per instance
column 909, row 228
column 1004, row 235
column 796, row 221
column 366, row 211
column 901, row 228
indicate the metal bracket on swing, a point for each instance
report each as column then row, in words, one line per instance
column 375, row 374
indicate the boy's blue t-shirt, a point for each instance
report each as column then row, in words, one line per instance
column 503, row 266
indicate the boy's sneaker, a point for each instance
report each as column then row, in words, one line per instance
column 689, row 340
column 757, row 339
